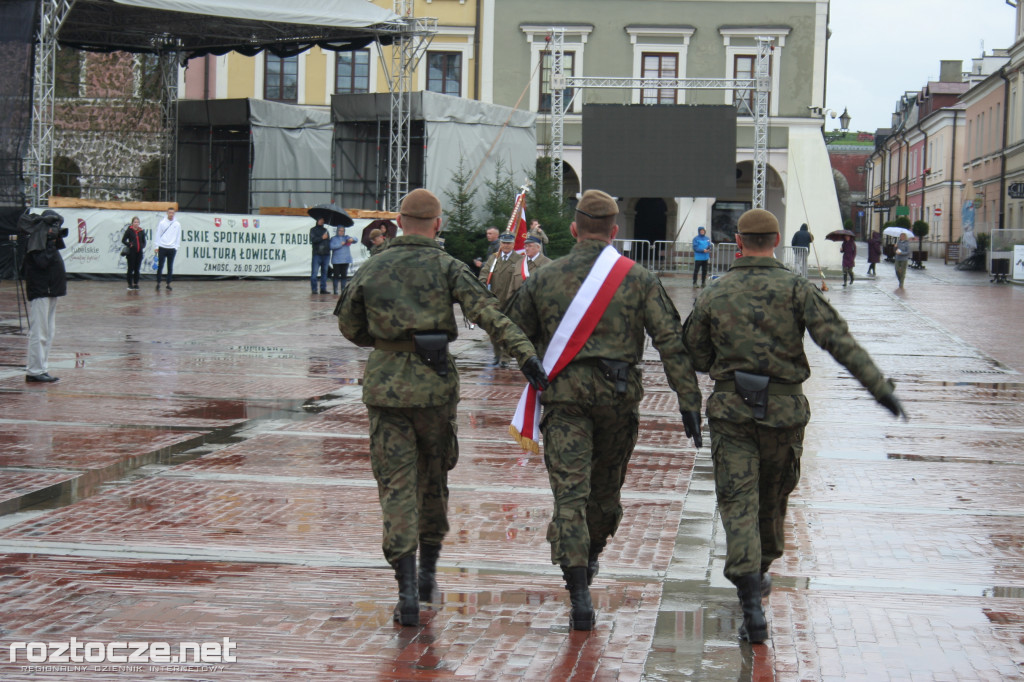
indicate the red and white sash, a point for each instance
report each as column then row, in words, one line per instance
column 572, row 333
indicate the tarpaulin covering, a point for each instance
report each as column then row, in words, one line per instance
column 453, row 128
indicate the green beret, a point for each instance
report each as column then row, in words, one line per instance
column 421, row 203
column 596, row 204
column 757, row 221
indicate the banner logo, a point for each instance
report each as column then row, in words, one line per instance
column 83, row 232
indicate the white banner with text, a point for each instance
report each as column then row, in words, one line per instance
column 228, row 245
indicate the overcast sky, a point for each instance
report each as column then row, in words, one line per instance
column 881, row 48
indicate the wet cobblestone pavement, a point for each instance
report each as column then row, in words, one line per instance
column 201, row 471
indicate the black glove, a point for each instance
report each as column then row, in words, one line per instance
column 691, row 424
column 534, row 372
column 890, row 403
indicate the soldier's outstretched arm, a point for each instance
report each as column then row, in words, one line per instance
column 663, row 324
column 351, row 312
column 830, row 331
column 482, row 307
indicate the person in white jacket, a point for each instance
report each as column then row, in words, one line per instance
column 168, row 240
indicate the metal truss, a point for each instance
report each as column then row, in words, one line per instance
column 52, row 14
column 760, row 85
column 169, row 109
column 408, row 48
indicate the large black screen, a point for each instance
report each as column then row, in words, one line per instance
column 660, row 150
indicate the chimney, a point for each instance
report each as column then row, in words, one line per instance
column 951, row 71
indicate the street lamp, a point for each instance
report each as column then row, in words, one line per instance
column 844, row 125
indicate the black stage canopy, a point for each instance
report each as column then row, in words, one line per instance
column 198, row 27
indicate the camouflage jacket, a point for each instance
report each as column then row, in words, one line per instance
column 639, row 304
column 410, row 287
column 377, row 248
column 507, row 275
column 753, row 320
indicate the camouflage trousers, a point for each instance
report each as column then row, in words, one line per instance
column 586, row 450
column 412, row 449
column 756, row 468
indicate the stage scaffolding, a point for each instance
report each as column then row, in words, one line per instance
column 409, row 36
column 760, row 85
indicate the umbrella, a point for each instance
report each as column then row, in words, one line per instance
column 331, row 213
column 839, row 235
column 895, row 231
column 386, row 226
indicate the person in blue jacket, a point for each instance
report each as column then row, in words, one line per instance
column 701, row 256
column 341, row 257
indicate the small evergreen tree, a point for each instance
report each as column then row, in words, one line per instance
column 501, row 196
column 544, row 205
column 462, row 237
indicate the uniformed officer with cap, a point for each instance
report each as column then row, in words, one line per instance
column 400, row 304
column 747, row 331
column 502, row 274
column 591, row 410
column 534, row 255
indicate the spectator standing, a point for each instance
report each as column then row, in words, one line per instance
column 803, row 239
column 45, row 281
column 377, row 241
column 502, row 274
column 874, row 252
column 701, row 256
column 902, row 257
column 849, row 249
column 320, row 242
column 134, row 239
column 492, row 247
column 168, row 241
column 341, row 257
column 536, row 231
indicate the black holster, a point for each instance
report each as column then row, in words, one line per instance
column 432, row 347
column 753, row 389
column 616, row 371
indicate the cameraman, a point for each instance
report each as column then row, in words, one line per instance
column 45, row 281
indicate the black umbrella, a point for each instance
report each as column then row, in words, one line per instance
column 839, row 235
column 386, row 226
column 331, row 213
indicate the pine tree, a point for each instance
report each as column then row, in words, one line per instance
column 544, row 205
column 501, row 197
column 462, row 237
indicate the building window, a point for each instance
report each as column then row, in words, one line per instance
column 281, row 78
column 444, row 73
column 352, row 75
column 659, row 65
column 568, row 69
column 744, row 67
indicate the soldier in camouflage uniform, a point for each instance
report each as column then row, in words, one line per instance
column 747, row 331
column 591, row 410
column 400, row 303
column 502, row 275
column 378, row 241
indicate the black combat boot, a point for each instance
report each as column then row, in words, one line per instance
column 755, row 627
column 429, row 591
column 582, row 616
column 407, row 610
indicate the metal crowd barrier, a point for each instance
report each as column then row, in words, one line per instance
column 722, row 257
column 639, row 250
column 795, row 258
